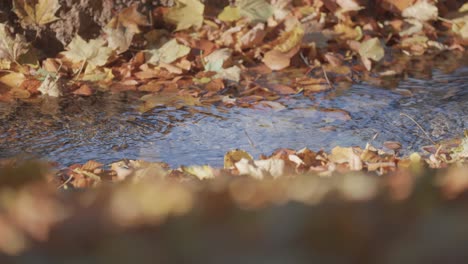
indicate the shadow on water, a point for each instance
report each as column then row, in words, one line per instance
column 108, row 127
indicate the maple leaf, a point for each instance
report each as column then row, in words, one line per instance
column 43, row 12
column 94, row 52
column 10, row 48
column 186, row 14
column 168, row 53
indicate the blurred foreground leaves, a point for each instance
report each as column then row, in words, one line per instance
column 410, row 214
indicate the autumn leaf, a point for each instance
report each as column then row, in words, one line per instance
column 201, row 172
column 349, row 5
column 186, row 14
column 230, row 14
column 168, row 53
column 50, row 87
column 422, row 11
column 371, row 49
column 10, row 48
column 119, row 39
column 214, row 61
column 255, row 10
column 43, row 12
column 94, row 52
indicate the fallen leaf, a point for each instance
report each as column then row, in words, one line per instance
column 422, row 11
column 168, row 53
column 233, row 156
column 10, row 48
column 201, row 172
column 259, row 169
column 255, row 10
column 186, row 14
column 43, row 12
column 371, row 49
column 50, row 87
column 230, row 14
column 346, row 155
column 94, row 52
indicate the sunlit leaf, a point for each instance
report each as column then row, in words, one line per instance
column 43, row 12
column 168, row 53
column 50, row 87
column 260, row 169
column 422, row 10
column 233, row 156
column 10, row 48
column 372, row 49
column 255, row 10
column 94, row 52
column 346, row 155
column 230, row 13
column 201, row 172
column 214, row 61
column 186, row 14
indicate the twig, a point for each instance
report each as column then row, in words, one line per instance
column 326, row 78
column 420, row 127
column 250, row 140
column 65, row 183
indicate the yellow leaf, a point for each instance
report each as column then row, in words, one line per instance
column 43, row 12
column 233, row 156
column 371, row 49
column 201, row 172
column 11, row 49
column 12, row 79
column 186, row 14
column 289, row 40
column 230, row 14
column 168, row 53
column 93, row 52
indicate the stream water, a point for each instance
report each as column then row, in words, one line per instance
column 107, row 127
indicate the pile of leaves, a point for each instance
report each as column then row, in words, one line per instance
column 193, row 53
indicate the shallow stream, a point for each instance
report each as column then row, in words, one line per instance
column 108, row 127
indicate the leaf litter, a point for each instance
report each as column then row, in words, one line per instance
column 251, row 53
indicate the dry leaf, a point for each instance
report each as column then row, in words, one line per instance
column 186, row 14
column 371, row 49
column 10, row 48
column 43, row 12
column 230, row 14
column 255, row 10
column 50, row 87
column 422, row 11
column 94, row 52
column 168, row 53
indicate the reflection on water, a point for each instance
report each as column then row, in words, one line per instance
column 108, row 127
